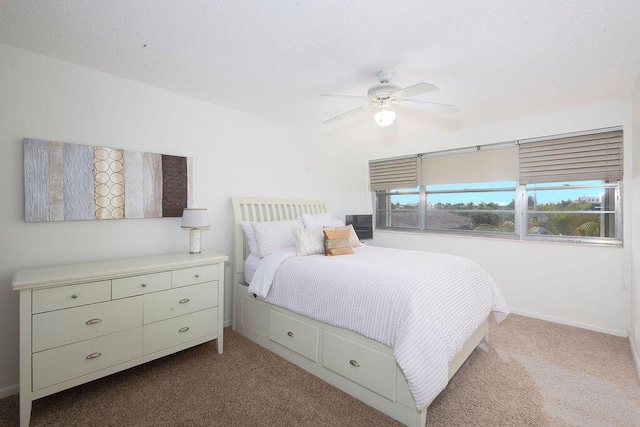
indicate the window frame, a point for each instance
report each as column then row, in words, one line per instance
column 521, row 195
column 388, row 211
column 609, row 241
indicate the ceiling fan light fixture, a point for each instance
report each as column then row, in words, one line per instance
column 384, row 117
column 383, row 95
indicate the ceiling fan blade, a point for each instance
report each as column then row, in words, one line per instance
column 416, row 89
column 348, row 113
column 431, row 106
column 333, row 95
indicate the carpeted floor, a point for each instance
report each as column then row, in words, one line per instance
column 535, row 373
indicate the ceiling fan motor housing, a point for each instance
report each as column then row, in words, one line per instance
column 382, row 91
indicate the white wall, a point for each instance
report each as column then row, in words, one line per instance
column 586, row 286
column 635, row 231
column 234, row 154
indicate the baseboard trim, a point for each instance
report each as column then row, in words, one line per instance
column 9, row 391
column 526, row 313
column 228, row 322
column 636, row 356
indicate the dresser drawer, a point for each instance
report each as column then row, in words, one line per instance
column 61, row 327
column 71, row 361
column 70, row 296
column 191, row 276
column 373, row 369
column 177, row 302
column 294, row 334
column 168, row 333
column 138, row 285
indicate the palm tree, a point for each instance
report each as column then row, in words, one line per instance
column 589, row 228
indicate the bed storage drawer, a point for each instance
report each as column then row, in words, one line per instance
column 71, row 361
column 372, row 369
column 294, row 334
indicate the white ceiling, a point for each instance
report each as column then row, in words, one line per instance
column 497, row 59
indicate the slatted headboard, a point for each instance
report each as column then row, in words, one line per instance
column 261, row 209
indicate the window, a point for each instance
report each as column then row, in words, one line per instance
column 398, row 209
column 482, row 208
column 586, row 209
column 565, row 188
column 580, row 211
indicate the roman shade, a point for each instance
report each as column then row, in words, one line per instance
column 592, row 156
column 484, row 165
column 389, row 174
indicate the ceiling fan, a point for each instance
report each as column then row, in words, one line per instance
column 384, row 95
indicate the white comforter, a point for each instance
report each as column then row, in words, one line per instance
column 423, row 305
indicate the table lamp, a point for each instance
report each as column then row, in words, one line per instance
column 195, row 220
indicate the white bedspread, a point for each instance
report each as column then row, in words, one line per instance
column 423, row 305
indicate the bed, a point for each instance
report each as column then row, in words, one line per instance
column 357, row 354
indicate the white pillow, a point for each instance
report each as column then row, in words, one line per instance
column 337, row 223
column 317, row 220
column 251, row 237
column 309, row 241
column 353, row 237
column 272, row 236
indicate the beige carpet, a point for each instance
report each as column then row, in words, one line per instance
column 535, row 374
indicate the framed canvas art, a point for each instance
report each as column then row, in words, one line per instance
column 67, row 182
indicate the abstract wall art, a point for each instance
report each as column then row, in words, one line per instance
column 67, row 182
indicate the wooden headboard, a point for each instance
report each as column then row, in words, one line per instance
column 261, row 209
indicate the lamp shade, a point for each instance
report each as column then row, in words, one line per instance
column 195, row 218
column 384, row 117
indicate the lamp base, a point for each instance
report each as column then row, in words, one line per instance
column 195, row 241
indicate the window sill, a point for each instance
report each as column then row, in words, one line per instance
column 509, row 237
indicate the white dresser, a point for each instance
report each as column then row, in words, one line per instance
column 81, row 322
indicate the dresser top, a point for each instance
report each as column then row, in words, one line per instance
column 109, row 269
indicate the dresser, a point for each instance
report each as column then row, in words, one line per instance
column 81, row 322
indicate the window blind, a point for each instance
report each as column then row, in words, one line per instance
column 389, row 174
column 478, row 166
column 596, row 156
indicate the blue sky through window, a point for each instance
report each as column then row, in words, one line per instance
column 500, row 197
column 555, row 196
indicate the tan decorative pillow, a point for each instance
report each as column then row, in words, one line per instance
column 337, row 242
column 353, row 237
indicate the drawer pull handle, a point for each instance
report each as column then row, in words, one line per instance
column 354, row 363
column 290, row 334
column 183, row 329
column 93, row 356
column 183, row 301
column 93, row 321
column 144, row 285
column 74, row 296
column 197, row 276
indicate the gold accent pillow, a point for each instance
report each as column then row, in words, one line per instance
column 337, row 242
